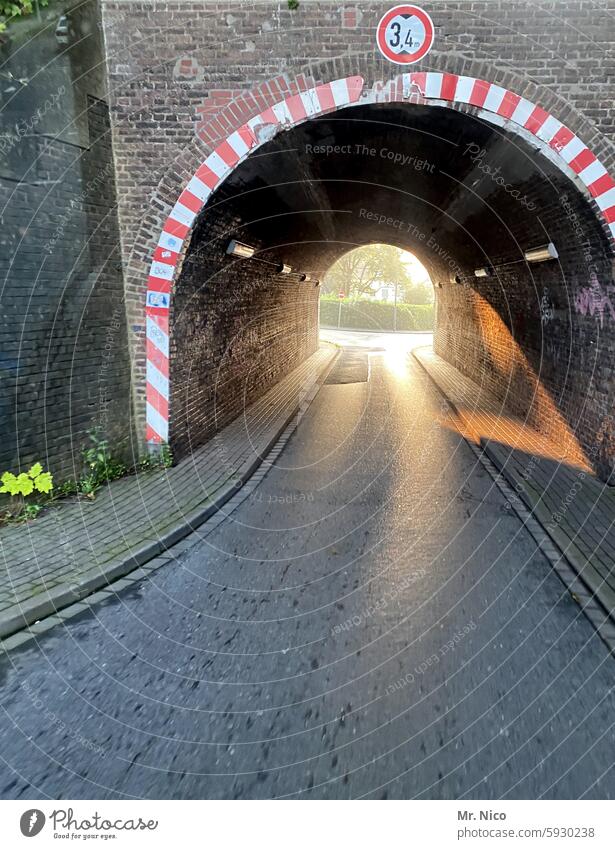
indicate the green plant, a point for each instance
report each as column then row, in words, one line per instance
column 293, row 4
column 364, row 314
column 88, row 485
column 163, row 459
column 166, row 456
column 102, row 466
column 31, row 511
column 25, row 484
column 10, row 10
column 69, row 487
column 22, row 486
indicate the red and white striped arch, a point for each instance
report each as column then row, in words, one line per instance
column 495, row 104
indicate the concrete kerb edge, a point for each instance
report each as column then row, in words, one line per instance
column 588, row 598
column 18, row 617
column 373, row 330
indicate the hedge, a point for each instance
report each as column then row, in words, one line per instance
column 375, row 315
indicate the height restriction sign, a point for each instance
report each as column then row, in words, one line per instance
column 405, row 34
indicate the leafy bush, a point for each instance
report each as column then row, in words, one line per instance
column 364, row 314
column 11, row 9
column 163, row 459
column 102, row 465
column 22, row 486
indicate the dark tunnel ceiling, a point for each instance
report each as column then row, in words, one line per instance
column 291, row 192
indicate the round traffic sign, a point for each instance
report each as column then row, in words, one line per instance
column 405, row 34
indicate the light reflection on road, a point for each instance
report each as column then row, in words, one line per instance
column 395, row 346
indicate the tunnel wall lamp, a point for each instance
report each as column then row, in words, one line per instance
column 542, row 253
column 236, row 248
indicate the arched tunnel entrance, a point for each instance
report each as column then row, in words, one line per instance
column 463, row 194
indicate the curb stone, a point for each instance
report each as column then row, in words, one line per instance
column 61, row 602
column 583, row 594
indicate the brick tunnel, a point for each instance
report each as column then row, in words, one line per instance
column 300, row 139
column 461, row 193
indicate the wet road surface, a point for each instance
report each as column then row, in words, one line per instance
column 373, row 621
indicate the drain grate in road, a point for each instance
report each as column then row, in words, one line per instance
column 351, row 367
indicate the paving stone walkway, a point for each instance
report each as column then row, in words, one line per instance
column 575, row 508
column 76, row 547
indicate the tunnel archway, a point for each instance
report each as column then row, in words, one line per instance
column 483, row 327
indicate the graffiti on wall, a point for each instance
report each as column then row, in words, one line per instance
column 595, row 300
column 547, row 311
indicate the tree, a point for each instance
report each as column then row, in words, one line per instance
column 416, row 292
column 362, row 271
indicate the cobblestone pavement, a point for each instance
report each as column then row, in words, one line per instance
column 372, row 622
column 74, row 547
column 573, row 506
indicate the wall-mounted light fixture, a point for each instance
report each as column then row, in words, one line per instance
column 282, row 268
column 542, row 253
column 236, row 248
column 481, row 272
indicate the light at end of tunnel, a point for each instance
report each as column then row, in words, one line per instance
column 481, row 272
column 542, row 253
column 284, row 269
column 236, row 248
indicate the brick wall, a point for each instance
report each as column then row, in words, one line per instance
column 237, row 327
column 183, row 75
column 560, row 54
column 65, row 365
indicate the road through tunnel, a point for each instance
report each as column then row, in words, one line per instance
column 464, row 195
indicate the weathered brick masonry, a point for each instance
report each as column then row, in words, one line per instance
column 183, row 76
column 237, row 327
column 65, row 367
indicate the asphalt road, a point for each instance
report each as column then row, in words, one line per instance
column 373, row 621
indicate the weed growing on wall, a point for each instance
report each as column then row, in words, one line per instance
column 25, row 490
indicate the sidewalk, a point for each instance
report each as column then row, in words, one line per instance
column 563, row 494
column 78, row 547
